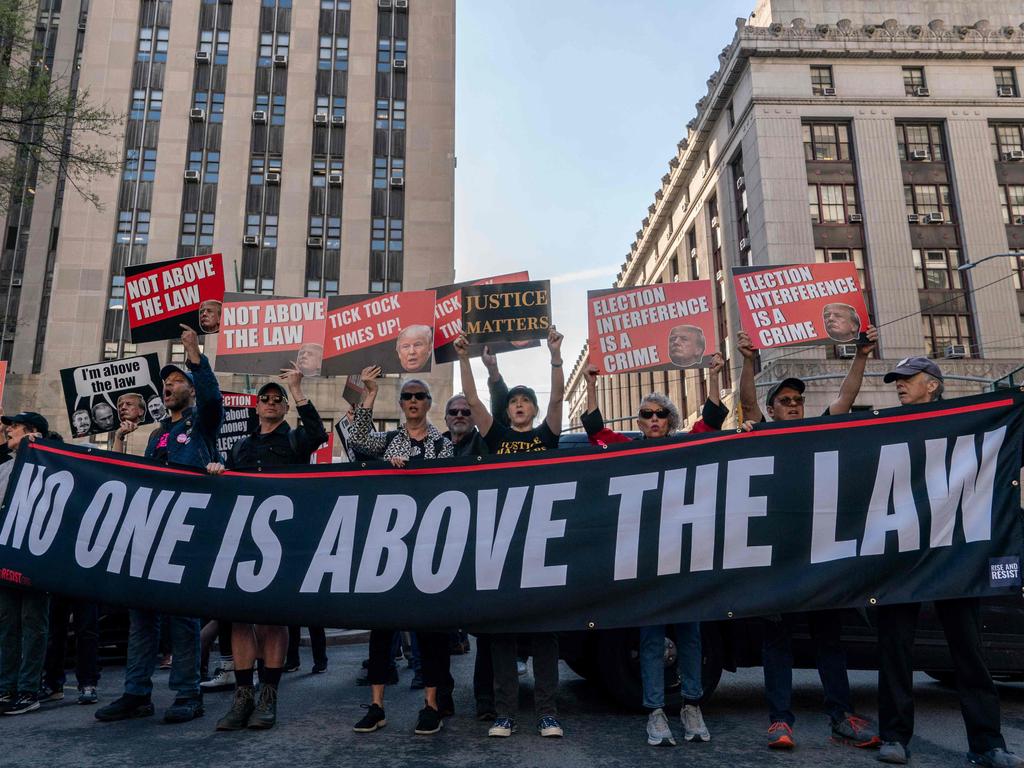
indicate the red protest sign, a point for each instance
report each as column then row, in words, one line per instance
column 448, row 318
column 3, row 378
column 800, row 304
column 161, row 297
column 392, row 330
column 325, row 453
column 651, row 327
column 263, row 334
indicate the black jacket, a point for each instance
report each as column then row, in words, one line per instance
column 472, row 445
column 282, row 446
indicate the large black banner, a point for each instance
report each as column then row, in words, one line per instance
column 893, row 506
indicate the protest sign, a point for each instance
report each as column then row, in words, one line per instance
column 354, row 390
column 448, row 319
column 659, row 327
column 325, row 453
column 240, row 419
column 800, row 304
column 91, row 392
column 3, row 379
column 392, row 330
column 511, row 312
column 263, row 334
column 160, row 297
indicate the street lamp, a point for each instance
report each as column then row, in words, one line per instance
column 973, row 264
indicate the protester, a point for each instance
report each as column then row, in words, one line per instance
column 87, row 673
column 24, row 613
column 658, row 417
column 919, row 381
column 414, row 441
column 273, row 444
column 785, row 403
column 520, row 436
column 318, row 645
column 186, row 437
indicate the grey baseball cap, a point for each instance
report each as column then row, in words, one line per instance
column 911, row 366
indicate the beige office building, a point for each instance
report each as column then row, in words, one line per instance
column 309, row 141
column 887, row 134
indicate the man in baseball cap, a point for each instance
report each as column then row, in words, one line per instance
column 34, row 421
column 918, row 380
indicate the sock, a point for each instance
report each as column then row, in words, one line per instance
column 243, row 678
column 271, row 676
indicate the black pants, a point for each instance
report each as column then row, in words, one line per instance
column 434, row 659
column 979, row 701
column 317, row 640
column 86, row 623
column 544, row 649
column 483, row 674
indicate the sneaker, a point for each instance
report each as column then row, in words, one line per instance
column 549, row 726
column 417, row 683
column 242, row 705
column 50, row 693
column 165, row 662
column 265, row 714
column 87, row 694
column 183, row 709
column 445, row 704
column 780, row 735
column 372, row 720
column 502, row 727
column 856, row 731
column 995, row 758
column 25, row 702
column 893, row 752
column 428, row 722
column 223, row 678
column 291, row 666
column 128, row 706
column 658, row 732
column 521, row 668
column 318, row 668
column 693, row 723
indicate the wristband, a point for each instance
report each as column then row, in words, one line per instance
column 556, row 365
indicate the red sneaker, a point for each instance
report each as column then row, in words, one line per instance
column 780, row 735
column 856, row 731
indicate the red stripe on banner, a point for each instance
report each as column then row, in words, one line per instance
column 718, row 437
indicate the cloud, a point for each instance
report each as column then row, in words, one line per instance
column 609, row 270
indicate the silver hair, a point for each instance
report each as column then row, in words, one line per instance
column 674, row 419
column 937, row 395
column 453, row 398
column 419, row 382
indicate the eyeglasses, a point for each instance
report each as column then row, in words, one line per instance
column 647, row 413
column 271, row 399
column 414, row 396
column 787, row 400
column 459, row 412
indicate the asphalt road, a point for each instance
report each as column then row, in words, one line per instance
column 316, row 714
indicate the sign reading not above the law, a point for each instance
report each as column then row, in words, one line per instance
column 264, row 334
column 161, row 297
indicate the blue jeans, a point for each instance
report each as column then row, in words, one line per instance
column 24, row 620
column 826, row 628
column 688, row 663
column 144, row 644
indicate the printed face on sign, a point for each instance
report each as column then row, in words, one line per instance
column 103, row 416
column 156, row 409
column 209, row 316
column 414, row 345
column 686, row 344
column 842, row 323
column 81, row 422
column 309, row 359
column 131, row 407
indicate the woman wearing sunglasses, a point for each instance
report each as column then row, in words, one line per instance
column 658, row 417
column 415, row 440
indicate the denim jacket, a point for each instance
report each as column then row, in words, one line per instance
column 191, row 440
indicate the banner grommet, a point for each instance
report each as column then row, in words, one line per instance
column 873, row 601
column 591, row 625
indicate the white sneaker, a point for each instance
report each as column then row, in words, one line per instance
column 521, row 668
column 223, row 677
column 658, row 732
column 693, row 723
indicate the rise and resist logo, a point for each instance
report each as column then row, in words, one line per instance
column 15, row 577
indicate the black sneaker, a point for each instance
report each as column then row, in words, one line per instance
column 128, row 706
column 428, row 722
column 87, row 694
column 318, row 668
column 291, row 666
column 25, row 702
column 372, row 720
column 51, row 692
column 183, row 709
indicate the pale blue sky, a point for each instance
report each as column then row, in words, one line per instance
column 567, row 113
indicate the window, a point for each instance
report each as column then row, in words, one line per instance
column 142, row 227
column 116, row 300
column 1013, row 204
column 330, row 5
column 132, row 169
column 252, row 225
column 380, row 173
column 125, row 231
column 941, row 331
column 716, row 225
column 937, row 268
column 731, row 115
column 1006, row 81
column 153, row 43
column 215, row 44
column 831, row 203
column 138, row 108
column 855, row 255
column 384, row 54
column 1006, row 138
column 913, row 78
column 333, row 233
column 124, row 226
column 270, row 231
column 691, row 244
column 256, row 166
column 156, row 105
column 333, row 52
column 316, row 226
column 911, row 139
column 826, row 141
column 923, row 199
column 1017, row 268
column 383, row 117
column 398, row 114
column 821, row 78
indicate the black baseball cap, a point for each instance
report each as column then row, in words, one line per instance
column 790, row 383
column 29, row 419
column 272, row 385
column 522, row 389
column 170, row 368
column 911, row 366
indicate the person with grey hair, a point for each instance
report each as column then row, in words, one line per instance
column 658, row 418
column 415, row 346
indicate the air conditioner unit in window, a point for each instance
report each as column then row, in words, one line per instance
column 740, row 182
column 935, row 218
column 828, row 91
column 714, row 222
column 913, row 218
column 203, row 57
column 320, row 118
column 1014, row 154
column 1005, row 90
column 846, row 351
column 251, row 240
column 197, row 115
column 272, row 177
column 191, row 175
column 398, row 63
column 921, row 91
column 919, row 154
column 16, row 282
column 338, row 120
column 280, row 59
column 259, row 116
column 855, row 218
column 402, row 4
column 397, row 181
column 334, row 179
column 315, row 242
column 693, row 253
column 744, row 243
column 955, row 352
column 1018, row 220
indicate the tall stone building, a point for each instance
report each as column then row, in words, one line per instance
column 886, row 134
column 309, row 141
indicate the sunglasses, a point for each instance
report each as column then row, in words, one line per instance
column 414, row 396
column 271, row 399
column 786, row 401
column 661, row 413
column 459, row 412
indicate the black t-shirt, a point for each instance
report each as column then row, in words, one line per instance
column 505, row 440
column 416, row 449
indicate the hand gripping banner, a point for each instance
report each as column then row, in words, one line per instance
column 890, row 506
